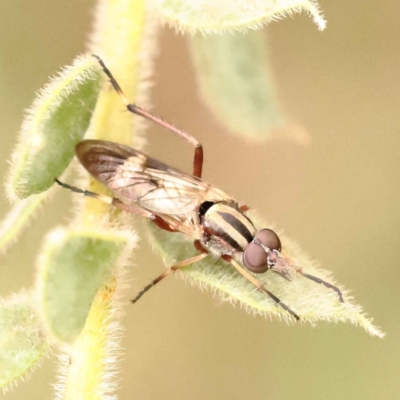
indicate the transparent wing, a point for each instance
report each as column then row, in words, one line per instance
column 135, row 177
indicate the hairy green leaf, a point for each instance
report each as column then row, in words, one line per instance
column 236, row 82
column 22, row 341
column 215, row 16
column 57, row 120
column 311, row 301
column 74, row 265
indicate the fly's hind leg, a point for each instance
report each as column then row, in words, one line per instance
column 133, row 108
column 131, row 208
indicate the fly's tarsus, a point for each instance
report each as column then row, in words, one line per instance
column 87, row 193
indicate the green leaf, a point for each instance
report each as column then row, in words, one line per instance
column 215, row 16
column 236, row 81
column 22, row 341
column 73, row 267
column 311, row 301
column 57, row 120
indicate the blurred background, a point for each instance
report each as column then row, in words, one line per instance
column 338, row 196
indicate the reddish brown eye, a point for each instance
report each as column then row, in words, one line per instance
column 255, row 258
column 269, row 239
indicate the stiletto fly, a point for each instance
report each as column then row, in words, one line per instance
column 179, row 202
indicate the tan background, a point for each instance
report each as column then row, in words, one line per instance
column 339, row 198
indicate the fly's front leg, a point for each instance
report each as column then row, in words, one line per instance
column 198, row 148
column 299, row 270
column 260, row 286
column 283, row 264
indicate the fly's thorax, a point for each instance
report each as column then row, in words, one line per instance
column 226, row 226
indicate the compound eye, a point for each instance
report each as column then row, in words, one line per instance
column 255, row 259
column 269, row 239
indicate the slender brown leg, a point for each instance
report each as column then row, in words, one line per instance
column 260, row 286
column 198, row 148
column 167, row 272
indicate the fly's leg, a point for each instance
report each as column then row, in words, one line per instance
column 284, row 263
column 299, row 270
column 144, row 213
column 173, row 268
column 133, row 209
column 260, row 286
column 129, row 208
column 198, row 148
column 199, row 247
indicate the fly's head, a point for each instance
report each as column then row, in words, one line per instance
column 263, row 253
